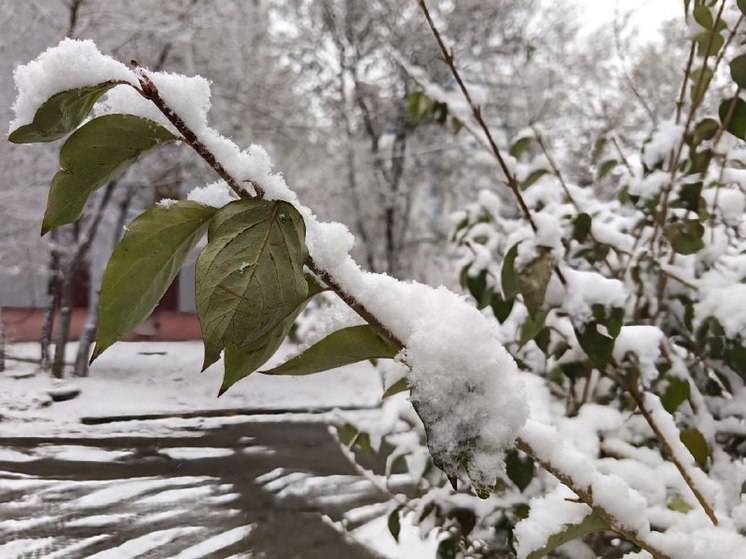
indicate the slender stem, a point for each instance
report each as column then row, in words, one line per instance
column 477, row 112
column 639, row 400
column 150, row 92
column 586, row 496
column 510, row 178
column 674, row 163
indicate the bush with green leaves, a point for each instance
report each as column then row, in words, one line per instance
column 588, row 400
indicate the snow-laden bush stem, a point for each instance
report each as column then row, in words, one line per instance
column 640, row 397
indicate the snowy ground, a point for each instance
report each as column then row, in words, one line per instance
column 185, row 487
column 151, row 377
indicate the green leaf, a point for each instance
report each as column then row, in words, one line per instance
column 532, row 326
column 533, row 177
column 520, row 469
column 736, row 124
column 144, row 265
column 394, row 523
column 597, row 346
column 704, row 130
column 241, row 361
column 448, row 548
column 701, row 78
column 93, row 155
column 250, row 274
column 590, row 525
column 598, row 149
column 703, row 16
column 685, row 236
column 500, row 307
column 477, row 286
column 520, row 146
column 678, row 504
column 534, row 278
column 606, row 167
column 400, row 385
column 581, row 227
column 677, row 392
column 343, row 347
column 712, row 39
column 735, row 357
column 741, row 6
column 738, row 70
column 60, row 114
column 695, row 441
column 508, row 277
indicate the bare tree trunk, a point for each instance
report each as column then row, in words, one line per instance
column 2, row 341
column 87, row 336
column 66, row 313
column 91, row 325
column 53, row 301
column 66, row 297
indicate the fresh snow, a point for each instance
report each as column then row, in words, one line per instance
column 68, row 65
column 196, row 452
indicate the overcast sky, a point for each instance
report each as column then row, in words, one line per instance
column 648, row 14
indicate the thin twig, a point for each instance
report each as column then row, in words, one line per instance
column 150, row 91
column 510, row 178
column 587, row 497
column 639, row 400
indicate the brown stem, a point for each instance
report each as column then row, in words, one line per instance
column 586, row 496
column 150, row 92
column 639, row 400
column 477, row 112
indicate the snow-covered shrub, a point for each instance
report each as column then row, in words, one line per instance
column 587, row 402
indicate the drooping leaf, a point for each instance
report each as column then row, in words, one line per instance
column 394, row 523
column 596, row 345
column 144, row 265
column 508, row 277
column 534, row 278
column 500, row 307
column 520, row 146
column 241, row 361
column 738, row 70
column 733, row 112
column 343, row 347
column 695, row 441
column 709, row 42
column 93, row 155
column 685, row 236
column 520, row 469
column 400, row 385
column 448, row 548
column 591, row 524
column 701, row 78
column 532, row 326
column 676, row 393
column 598, row 149
column 703, row 16
column 477, row 286
column 678, row 504
column 581, row 227
column 606, row 167
column 250, row 274
column 60, row 114
column 533, row 177
column 705, row 129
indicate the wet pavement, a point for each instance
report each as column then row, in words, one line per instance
column 239, row 490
